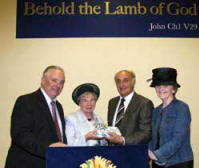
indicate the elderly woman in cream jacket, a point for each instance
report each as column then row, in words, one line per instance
column 81, row 125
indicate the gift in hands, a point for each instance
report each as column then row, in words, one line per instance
column 103, row 130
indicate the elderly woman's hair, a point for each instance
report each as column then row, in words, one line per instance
column 45, row 73
column 175, row 89
column 85, row 94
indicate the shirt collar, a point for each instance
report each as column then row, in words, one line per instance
column 128, row 97
column 48, row 99
column 127, row 100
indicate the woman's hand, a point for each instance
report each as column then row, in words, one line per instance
column 151, row 155
column 92, row 135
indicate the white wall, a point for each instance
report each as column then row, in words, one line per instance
column 96, row 60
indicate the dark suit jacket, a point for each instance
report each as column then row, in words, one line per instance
column 32, row 131
column 136, row 124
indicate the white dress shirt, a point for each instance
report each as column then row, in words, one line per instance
column 49, row 100
column 126, row 103
column 77, row 126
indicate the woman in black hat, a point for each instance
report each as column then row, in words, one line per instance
column 80, row 125
column 170, row 145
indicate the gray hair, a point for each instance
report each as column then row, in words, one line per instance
column 127, row 71
column 175, row 90
column 85, row 94
column 45, row 73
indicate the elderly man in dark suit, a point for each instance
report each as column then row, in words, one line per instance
column 130, row 112
column 37, row 122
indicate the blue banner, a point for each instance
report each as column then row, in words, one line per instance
column 107, row 18
column 98, row 157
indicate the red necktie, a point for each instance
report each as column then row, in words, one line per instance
column 55, row 120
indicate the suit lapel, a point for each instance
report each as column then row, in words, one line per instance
column 46, row 111
column 130, row 109
column 132, row 104
column 113, row 109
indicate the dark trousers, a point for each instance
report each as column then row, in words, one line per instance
column 188, row 164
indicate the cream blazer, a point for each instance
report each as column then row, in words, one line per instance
column 77, row 126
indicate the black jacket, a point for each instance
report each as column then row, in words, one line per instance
column 32, row 131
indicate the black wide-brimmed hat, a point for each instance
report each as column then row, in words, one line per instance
column 164, row 76
column 86, row 87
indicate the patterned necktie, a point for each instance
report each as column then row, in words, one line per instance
column 55, row 121
column 120, row 113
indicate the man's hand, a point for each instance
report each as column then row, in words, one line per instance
column 151, row 155
column 58, row 144
column 115, row 138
